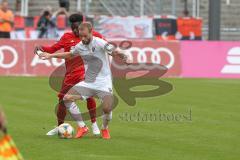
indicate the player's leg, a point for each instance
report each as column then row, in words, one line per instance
column 69, row 99
column 107, row 103
column 67, row 84
column 91, row 105
column 61, row 109
column 61, row 112
column 107, row 110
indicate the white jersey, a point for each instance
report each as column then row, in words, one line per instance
column 96, row 60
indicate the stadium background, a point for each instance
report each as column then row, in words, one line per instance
column 204, row 75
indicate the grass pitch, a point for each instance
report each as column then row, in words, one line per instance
column 207, row 127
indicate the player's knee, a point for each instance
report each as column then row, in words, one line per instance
column 60, row 96
column 67, row 98
column 107, row 109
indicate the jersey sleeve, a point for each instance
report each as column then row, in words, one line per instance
column 75, row 49
column 57, row 46
column 104, row 45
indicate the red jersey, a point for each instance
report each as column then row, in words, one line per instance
column 74, row 66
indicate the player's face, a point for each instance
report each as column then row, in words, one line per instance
column 74, row 28
column 86, row 35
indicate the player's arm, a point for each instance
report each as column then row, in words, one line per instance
column 8, row 21
column 118, row 54
column 52, row 49
column 74, row 51
column 64, row 55
column 115, row 52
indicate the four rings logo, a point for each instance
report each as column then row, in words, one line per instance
column 142, row 58
column 7, row 49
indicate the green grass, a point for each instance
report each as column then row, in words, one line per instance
column 212, row 134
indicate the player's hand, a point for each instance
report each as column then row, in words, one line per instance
column 37, row 48
column 125, row 59
column 44, row 55
column 128, row 61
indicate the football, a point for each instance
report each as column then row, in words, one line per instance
column 65, row 130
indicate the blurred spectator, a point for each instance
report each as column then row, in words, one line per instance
column 60, row 11
column 48, row 8
column 185, row 13
column 185, row 10
column 6, row 20
column 64, row 4
column 18, row 7
column 47, row 23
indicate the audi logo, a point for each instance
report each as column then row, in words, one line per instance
column 155, row 58
column 2, row 57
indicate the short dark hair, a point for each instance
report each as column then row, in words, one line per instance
column 77, row 17
column 46, row 13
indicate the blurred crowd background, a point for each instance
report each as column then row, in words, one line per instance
column 138, row 19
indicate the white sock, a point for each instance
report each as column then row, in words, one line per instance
column 106, row 118
column 81, row 124
column 75, row 112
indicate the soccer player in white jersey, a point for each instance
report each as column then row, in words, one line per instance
column 98, row 80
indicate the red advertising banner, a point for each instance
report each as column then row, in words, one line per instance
column 37, row 66
column 151, row 55
column 12, row 57
column 17, row 57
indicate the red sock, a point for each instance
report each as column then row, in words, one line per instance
column 61, row 113
column 91, row 105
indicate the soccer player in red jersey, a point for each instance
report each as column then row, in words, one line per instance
column 75, row 73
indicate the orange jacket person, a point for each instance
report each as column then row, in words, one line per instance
column 6, row 20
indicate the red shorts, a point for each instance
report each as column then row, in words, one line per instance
column 69, row 81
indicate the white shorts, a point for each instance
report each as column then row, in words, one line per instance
column 97, row 88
